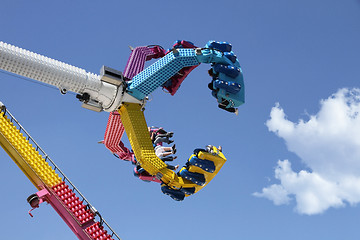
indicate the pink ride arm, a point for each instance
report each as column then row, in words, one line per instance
column 178, row 78
column 112, row 139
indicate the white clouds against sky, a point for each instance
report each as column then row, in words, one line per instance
column 329, row 145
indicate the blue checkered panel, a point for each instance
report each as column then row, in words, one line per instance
column 158, row 73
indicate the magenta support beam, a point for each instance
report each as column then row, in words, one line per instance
column 138, row 57
column 53, row 199
column 69, row 219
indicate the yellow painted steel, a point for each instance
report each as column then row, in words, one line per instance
column 136, row 129
column 217, row 158
column 25, row 155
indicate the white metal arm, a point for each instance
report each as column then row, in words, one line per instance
column 102, row 94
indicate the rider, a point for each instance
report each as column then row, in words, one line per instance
column 159, row 135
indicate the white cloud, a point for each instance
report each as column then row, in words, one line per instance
column 329, row 145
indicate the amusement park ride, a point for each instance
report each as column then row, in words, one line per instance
column 124, row 96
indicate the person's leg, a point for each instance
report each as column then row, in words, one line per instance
column 168, row 134
column 162, row 139
column 164, row 154
column 172, row 167
column 173, row 149
column 167, row 149
column 168, row 158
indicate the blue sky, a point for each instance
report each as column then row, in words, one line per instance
column 295, row 57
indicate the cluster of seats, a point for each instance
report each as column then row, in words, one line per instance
column 191, row 172
column 227, row 79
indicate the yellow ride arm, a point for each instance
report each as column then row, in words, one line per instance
column 136, row 128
